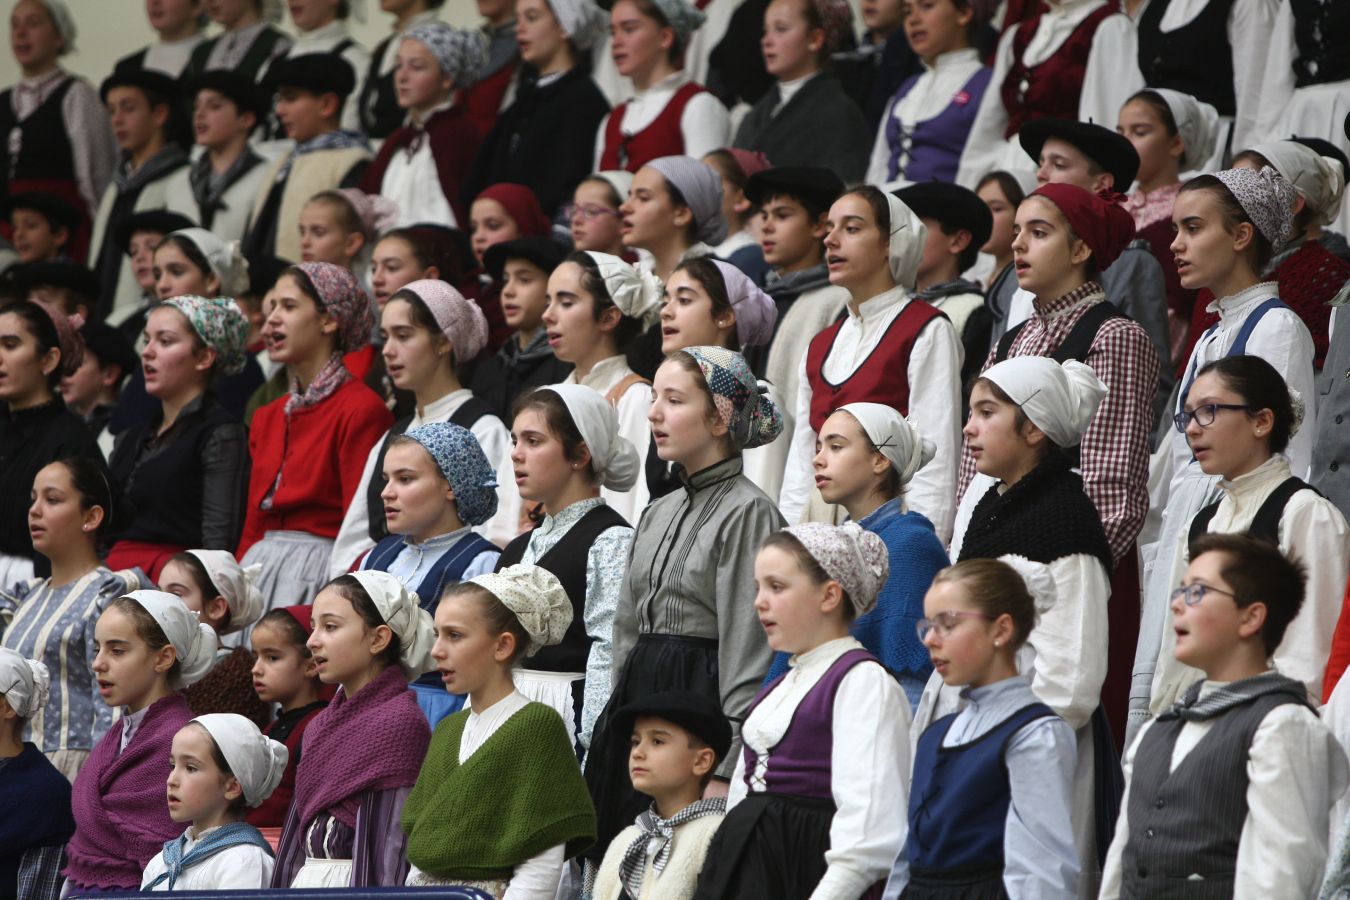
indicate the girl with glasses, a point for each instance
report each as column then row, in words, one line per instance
column 1238, row 420
column 962, row 835
column 593, row 215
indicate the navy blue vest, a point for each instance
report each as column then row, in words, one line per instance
column 959, row 796
column 446, row 571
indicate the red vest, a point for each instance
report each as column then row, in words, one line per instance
column 882, row 378
column 663, row 137
column 483, row 101
column 1050, row 90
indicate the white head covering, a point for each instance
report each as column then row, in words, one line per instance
column 193, row 639
column 235, row 584
column 226, row 261
column 908, row 234
column 619, row 179
column 537, row 598
column 64, row 22
column 613, row 457
column 1197, row 124
column 582, row 20
column 24, row 682
column 1059, row 399
column 897, row 438
column 1040, row 583
column 1318, row 179
column 855, row 558
column 636, row 292
column 255, row 760
column 398, row 607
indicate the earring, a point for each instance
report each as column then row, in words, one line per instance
column 86, row 527
column 998, row 643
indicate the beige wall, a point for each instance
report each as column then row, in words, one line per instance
column 110, row 29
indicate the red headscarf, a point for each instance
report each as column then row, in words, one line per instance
column 521, row 205
column 1098, row 219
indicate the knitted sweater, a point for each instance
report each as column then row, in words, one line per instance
column 516, row 796
column 30, row 783
column 121, row 819
column 688, row 849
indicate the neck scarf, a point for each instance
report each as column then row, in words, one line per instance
column 656, row 838
column 337, row 765
column 329, row 140
column 234, row 834
column 1194, row 708
column 332, row 376
column 793, row 284
column 157, row 166
column 208, row 188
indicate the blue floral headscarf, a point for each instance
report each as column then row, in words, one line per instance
column 461, row 460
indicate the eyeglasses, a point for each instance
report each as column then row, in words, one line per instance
column 1204, row 415
column 589, row 211
column 943, row 623
column 1192, row 594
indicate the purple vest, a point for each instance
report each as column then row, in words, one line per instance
column 800, row 763
column 932, row 148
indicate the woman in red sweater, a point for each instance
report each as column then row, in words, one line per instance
column 309, row 447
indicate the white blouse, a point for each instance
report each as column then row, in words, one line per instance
column 870, row 763
column 705, row 123
column 931, row 94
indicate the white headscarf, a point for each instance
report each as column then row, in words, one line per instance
column 582, row 20
column 226, row 261
column 398, row 607
column 256, row 761
column 1060, row 400
column 536, row 597
column 64, row 22
column 1040, row 583
column 908, row 234
column 636, row 292
column 1197, row 124
column 613, row 457
column 619, row 179
column 235, row 584
column 894, row 436
column 24, row 682
column 1318, row 179
column 194, row 640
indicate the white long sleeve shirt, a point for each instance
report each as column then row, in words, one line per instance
column 705, row 123
column 1296, row 770
column 934, row 373
column 1112, row 75
column 869, row 764
column 238, row 868
column 353, row 537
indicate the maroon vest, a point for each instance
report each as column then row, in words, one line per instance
column 663, row 137
column 1050, row 90
column 882, row 378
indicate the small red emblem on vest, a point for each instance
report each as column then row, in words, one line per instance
column 961, row 98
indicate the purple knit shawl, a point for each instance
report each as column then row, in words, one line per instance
column 121, row 814
column 373, row 741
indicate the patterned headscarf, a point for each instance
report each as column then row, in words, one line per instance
column 461, row 52
column 855, row 558
column 345, row 301
column 460, row 458
column 460, row 320
column 1267, row 199
column 67, row 336
column 682, row 16
column 701, row 188
column 581, row 20
column 837, row 17
column 537, row 599
column 221, row 326
column 742, row 403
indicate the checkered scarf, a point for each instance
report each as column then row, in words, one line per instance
column 657, row 835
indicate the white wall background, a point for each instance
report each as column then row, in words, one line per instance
column 110, row 29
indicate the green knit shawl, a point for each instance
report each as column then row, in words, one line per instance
column 517, row 795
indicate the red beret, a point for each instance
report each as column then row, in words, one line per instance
column 1098, row 219
column 521, row 205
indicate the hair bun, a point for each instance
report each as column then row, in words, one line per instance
column 766, row 420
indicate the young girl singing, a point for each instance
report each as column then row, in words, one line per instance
column 150, row 646
column 567, row 446
column 34, row 843
column 682, row 621
column 295, row 508
column 381, row 113
column 674, row 212
column 221, row 593
column 221, row 766
column 499, row 804
column 594, row 216
column 53, row 619
column 812, row 809
column 285, row 673
column 370, row 639
column 868, row 455
column 989, row 806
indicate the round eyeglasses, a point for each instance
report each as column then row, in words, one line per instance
column 943, row 623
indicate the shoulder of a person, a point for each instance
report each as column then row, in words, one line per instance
column 1122, row 331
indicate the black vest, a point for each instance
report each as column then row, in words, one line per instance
column 255, row 60
column 44, row 146
column 469, row 411
column 1320, row 30
column 1266, row 523
column 1189, row 821
column 1194, row 59
column 567, row 560
column 380, row 112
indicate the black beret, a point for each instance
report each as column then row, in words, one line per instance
column 813, row 184
column 952, row 205
column 544, row 252
column 160, row 221
column 109, row 345
column 1113, row 152
column 54, row 209
column 148, row 80
column 242, row 90
column 58, row 273
column 318, row 73
column 696, row 713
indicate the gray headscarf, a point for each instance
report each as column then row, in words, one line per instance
column 701, row 188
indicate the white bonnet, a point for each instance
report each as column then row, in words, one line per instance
column 256, row 760
column 537, row 599
column 613, row 458
column 399, row 608
column 1197, row 124
column 225, row 258
column 1318, row 179
column 25, row 683
column 908, row 234
column 236, row 585
column 635, row 292
column 193, row 640
column 1060, row 400
column 895, row 437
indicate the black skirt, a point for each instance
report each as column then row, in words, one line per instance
column 658, row 662
column 769, row 845
column 975, row 883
